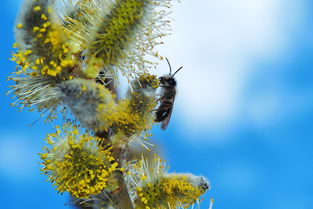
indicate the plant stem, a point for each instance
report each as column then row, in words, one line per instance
column 120, row 197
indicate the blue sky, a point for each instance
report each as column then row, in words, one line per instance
column 242, row 117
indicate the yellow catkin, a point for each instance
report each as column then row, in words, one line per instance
column 134, row 114
column 49, row 41
column 116, row 33
column 170, row 191
column 76, row 164
column 155, row 188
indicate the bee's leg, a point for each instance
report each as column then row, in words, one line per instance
column 163, row 107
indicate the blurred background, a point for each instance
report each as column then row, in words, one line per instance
column 242, row 117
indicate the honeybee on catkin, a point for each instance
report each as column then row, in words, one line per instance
column 167, row 96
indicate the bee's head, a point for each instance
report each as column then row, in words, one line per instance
column 167, row 80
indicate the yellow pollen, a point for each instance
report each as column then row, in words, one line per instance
column 19, row 26
column 37, row 8
column 44, row 17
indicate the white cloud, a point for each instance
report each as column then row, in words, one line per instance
column 217, row 42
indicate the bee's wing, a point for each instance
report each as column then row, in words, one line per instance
column 166, row 121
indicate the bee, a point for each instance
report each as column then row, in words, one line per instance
column 167, row 96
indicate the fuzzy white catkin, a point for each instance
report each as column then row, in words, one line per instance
column 83, row 98
column 198, row 181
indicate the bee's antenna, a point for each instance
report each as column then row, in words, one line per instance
column 169, row 65
column 177, row 71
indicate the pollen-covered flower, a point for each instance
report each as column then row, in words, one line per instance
column 135, row 113
column 44, row 56
column 76, row 163
column 44, row 47
column 153, row 187
column 118, row 34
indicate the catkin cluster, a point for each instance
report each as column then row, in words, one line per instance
column 69, row 55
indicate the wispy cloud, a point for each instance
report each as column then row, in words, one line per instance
column 219, row 44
